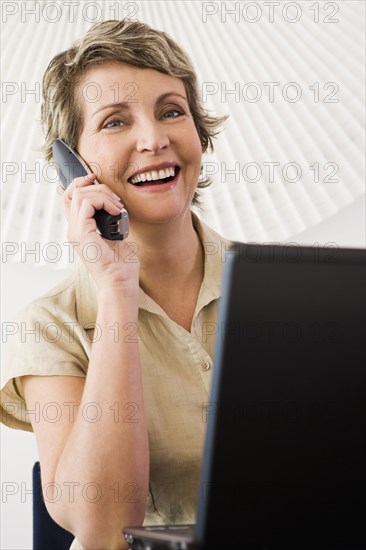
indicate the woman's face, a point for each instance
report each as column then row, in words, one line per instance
column 136, row 123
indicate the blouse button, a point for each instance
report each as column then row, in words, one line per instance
column 205, row 365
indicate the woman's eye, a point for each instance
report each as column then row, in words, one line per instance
column 172, row 113
column 114, row 123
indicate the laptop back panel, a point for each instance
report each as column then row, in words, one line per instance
column 284, row 459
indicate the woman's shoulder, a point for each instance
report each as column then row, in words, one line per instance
column 60, row 297
column 44, row 340
column 65, row 299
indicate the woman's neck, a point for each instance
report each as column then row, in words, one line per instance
column 169, row 253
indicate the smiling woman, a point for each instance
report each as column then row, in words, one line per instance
column 132, row 343
column 152, row 131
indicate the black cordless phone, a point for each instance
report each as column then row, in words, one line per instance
column 70, row 166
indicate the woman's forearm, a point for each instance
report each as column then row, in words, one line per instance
column 107, row 451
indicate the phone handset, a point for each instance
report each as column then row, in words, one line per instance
column 70, row 166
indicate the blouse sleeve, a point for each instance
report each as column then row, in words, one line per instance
column 45, row 340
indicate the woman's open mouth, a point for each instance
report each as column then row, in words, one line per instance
column 164, row 178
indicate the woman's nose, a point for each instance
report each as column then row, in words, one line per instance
column 151, row 137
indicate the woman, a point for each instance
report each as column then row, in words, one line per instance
column 127, row 367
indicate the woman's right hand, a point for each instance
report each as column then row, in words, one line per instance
column 112, row 264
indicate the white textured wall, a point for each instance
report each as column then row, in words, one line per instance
column 292, row 49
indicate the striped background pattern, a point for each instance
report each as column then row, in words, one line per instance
column 290, row 75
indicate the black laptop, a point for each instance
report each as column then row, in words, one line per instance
column 284, row 462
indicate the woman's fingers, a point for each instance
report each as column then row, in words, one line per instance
column 97, row 197
column 68, row 193
column 82, row 181
column 80, row 202
column 97, row 200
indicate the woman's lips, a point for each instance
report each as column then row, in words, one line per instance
column 158, row 185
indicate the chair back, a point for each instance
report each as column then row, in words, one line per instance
column 47, row 534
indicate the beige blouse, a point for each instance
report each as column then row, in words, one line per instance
column 176, row 371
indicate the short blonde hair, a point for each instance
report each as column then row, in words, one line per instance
column 117, row 40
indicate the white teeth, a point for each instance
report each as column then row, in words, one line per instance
column 154, row 175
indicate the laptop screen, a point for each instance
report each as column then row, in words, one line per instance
column 284, row 458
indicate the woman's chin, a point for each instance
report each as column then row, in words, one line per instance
column 158, row 214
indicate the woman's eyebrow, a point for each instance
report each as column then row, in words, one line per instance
column 125, row 104
column 167, row 94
